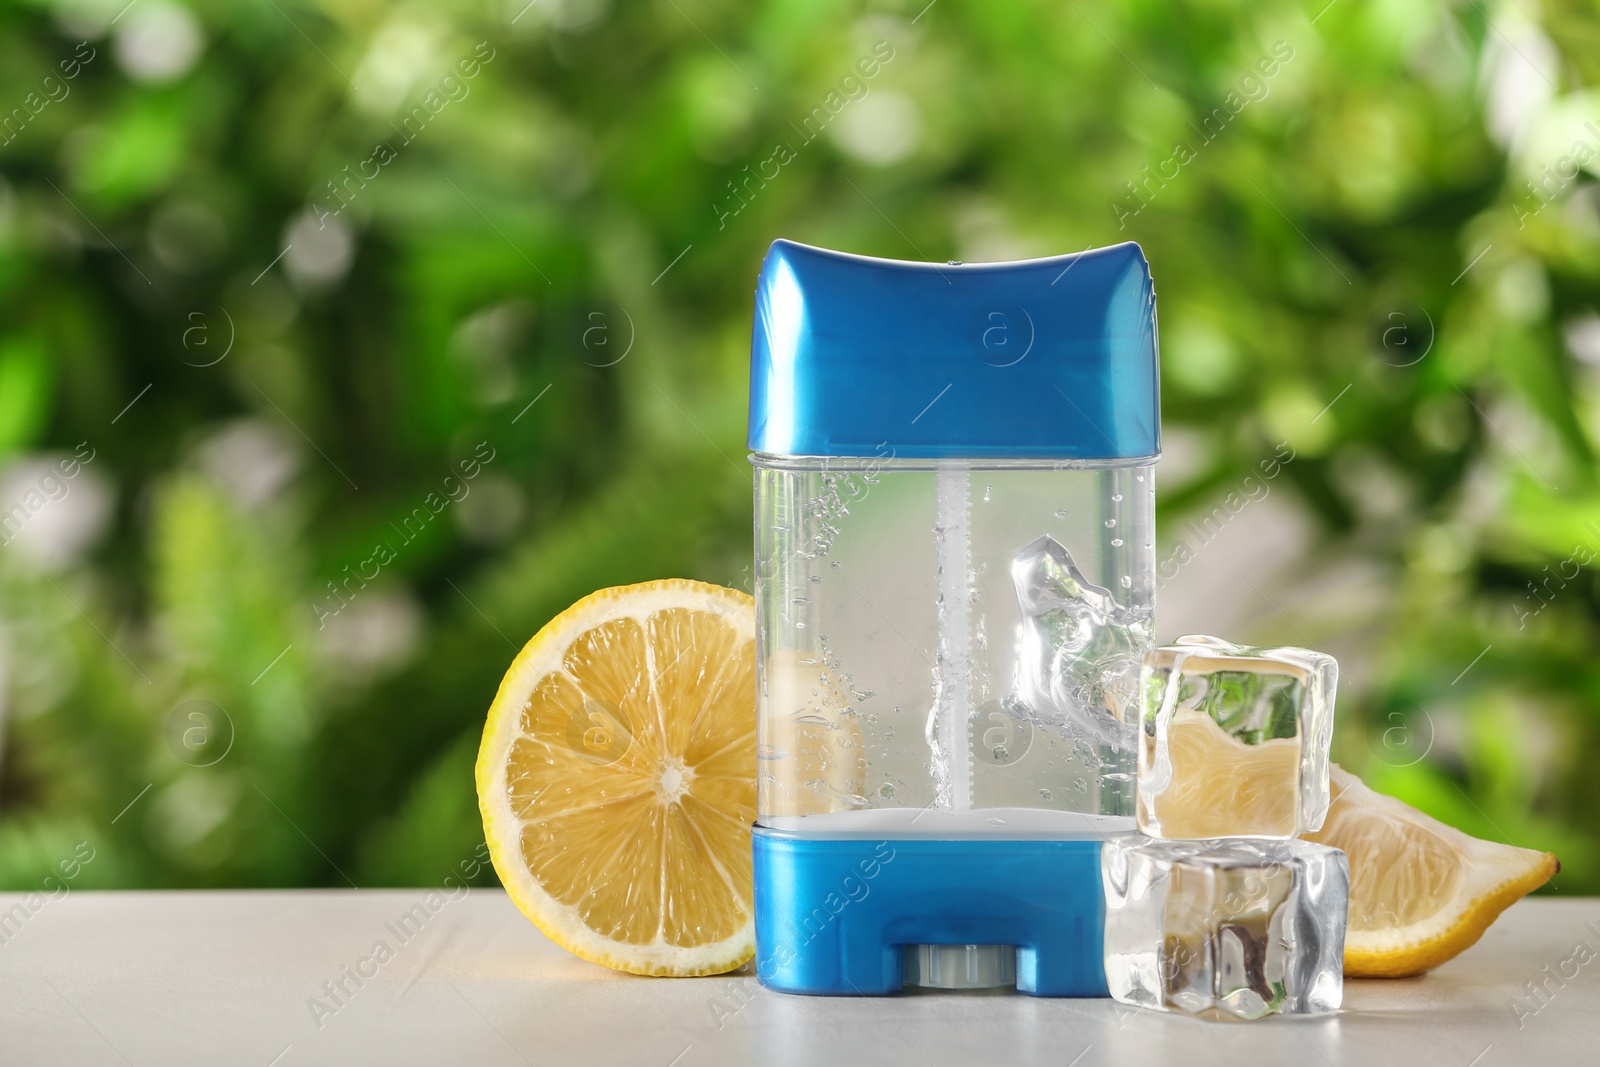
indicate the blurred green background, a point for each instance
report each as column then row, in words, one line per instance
column 272, row 270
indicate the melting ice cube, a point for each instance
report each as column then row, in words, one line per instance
column 1079, row 650
column 1214, row 710
column 1225, row 928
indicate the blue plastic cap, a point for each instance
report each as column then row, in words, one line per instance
column 1045, row 358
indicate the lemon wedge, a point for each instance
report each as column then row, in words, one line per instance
column 616, row 778
column 1421, row 892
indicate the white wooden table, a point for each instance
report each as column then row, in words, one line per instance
column 243, row 978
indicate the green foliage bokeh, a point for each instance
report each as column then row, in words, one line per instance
column 549, row 262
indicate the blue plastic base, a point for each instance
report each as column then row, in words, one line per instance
column 833, row 914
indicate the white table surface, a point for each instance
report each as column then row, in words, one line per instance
column 226, row 977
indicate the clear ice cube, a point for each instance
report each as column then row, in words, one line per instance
column 1234, row 740
column 1079, row 652
column 1225, row 929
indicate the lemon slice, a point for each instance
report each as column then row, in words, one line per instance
column 617, row 778
column 812, row 757
column 1421, row 892
column 1221, row 787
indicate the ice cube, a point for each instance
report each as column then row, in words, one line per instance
column 1234, row 740
column 1225, row 929
column 1078, row 650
